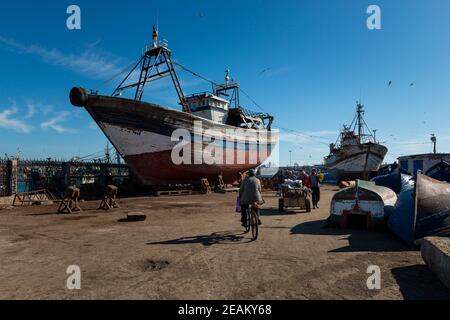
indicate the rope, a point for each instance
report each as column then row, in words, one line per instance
column 102, row 84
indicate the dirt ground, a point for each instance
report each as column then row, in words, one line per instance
column 192, row 247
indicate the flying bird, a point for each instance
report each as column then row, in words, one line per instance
column 411, row 84
column 390, row 83
column 264, row 71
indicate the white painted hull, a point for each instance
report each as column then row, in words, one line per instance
column 356, row 161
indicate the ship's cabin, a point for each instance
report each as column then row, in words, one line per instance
column 349, row 137
column 209, row 106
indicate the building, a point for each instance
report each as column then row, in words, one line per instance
column 422, row 162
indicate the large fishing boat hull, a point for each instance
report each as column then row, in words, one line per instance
column 353, row 162
column 147, row 135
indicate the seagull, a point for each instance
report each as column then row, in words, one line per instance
column 411, row 84
column 390, row 83
column 265, row 70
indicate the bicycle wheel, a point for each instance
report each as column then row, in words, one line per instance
column 247, row 228
column 254, row 224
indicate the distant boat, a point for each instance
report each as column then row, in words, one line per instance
column 357, row 154
column 143, row 132
column 422, row 210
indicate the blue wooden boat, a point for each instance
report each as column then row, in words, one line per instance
column 396, row 181
column 422, row 210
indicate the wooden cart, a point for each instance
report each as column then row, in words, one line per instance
column 295, row 198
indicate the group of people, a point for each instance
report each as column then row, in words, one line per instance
column 312, row 181
column 250, row 190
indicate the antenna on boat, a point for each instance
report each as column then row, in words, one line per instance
column 360, row 111
column 155, row 36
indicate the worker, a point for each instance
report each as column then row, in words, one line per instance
column 315, row 187
column 305, row 179
column 249, row 193
column 321, row 176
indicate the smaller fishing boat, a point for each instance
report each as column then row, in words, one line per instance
column 422, row 210
column 365, row 204
column 440, row 171
column 356, row 154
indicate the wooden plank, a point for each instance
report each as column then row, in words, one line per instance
column 173, row 193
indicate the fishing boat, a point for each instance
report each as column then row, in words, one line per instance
column 422, row 209
column 357, row 153
column 212, row 135
column 365, row 204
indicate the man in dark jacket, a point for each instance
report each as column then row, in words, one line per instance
column 249, row 193
column 315, row 187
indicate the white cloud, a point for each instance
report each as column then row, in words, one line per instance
column 91, row 62
column 8, row 122
column 31, row 110
column 55, row 123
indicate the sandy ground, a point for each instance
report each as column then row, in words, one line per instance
column 192, row 247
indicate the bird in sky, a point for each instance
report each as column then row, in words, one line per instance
column 390, row 83
column 411, row 84
column 264, row 71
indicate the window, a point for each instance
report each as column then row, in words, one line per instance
column 404, row 165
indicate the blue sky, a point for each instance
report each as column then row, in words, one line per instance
column 305, row 62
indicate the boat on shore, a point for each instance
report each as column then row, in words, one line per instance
column 213, row 135
column 357, row 154
column 422, row 210
column 365, row 204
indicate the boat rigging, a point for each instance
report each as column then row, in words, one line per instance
column 221, row 105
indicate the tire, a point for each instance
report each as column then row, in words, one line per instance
column 254, row 224
column 308, row 205
column 247, row 229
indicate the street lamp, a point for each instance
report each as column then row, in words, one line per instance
column 290, row 158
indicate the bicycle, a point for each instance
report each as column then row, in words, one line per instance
column 253, row 220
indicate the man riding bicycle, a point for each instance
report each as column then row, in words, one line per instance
column 249, row 193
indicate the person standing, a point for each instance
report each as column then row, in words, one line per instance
column 315, row 187
column 305, row 179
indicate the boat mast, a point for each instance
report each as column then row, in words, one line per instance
column 221, row 89
column 359, row 121
column 156, row 57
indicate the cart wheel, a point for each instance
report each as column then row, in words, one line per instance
column 280, row 205
column 308, row 205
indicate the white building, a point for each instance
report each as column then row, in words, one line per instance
column 422, row 162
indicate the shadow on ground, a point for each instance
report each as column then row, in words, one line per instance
column 223, row 237
column 359, row 240
column 418, row 282
column 276, row 212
